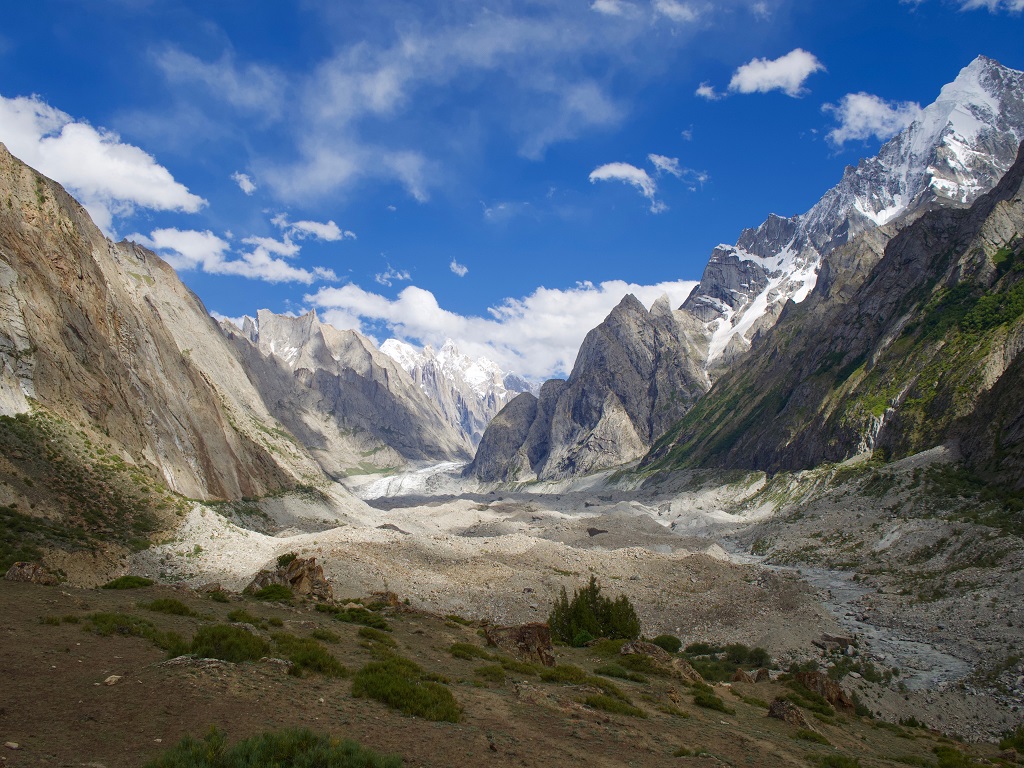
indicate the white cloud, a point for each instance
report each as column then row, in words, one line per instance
column 536, row 336
column 459, row 269
column 251, row 87
column 327, row 231
column 863, row 115
column 189, row 249
column 613, row 7
column 707, row 91
column 786, row 73
column 244, row 182
column 676, row 11
column 993, row 6
column 502, row 212
column 238, row 322
column 389, row 276
column 635, row 177
column 109, row 177
column 664, row 164
column 761, row 10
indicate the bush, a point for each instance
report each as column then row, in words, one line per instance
column 615, row 706
column 168, row 605
column 355, row 616
column 703, row 697
column 242, row 616
column 326, row 635
column 401, row 684
column 296, row 747
column 228, row 643
column 376, row 636
column 838, row 761
column 274, row 592
column 492, row 673
column 468, row 651
column 1013, row 740
column 219, row 596
column 128, row 582
column 669, row 643
column 308, row 654
column 132, row 626
column 805, row 734
column 615, row 670
column 590, row 615
column 286, row 559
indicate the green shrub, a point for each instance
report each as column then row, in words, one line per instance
column 274, row 592
column 219, row 596
column 614, row 670
column 838, row 761
column 168, row 605
column 274, row 621
column 917, row 760
column 708, row 700
column 950, row 757
column 401, row 684
column 292, row 747
column 567, row 674
column 805, row 734
column 376, row 636
column 1013, row 740
column 286, row 559
column 468, row 651
column 228, row 643
column 355, row 616
column 492, row 673
column 326, row 635
column 107, row 624
column 615, row 706
column 308, row 654
column 242, row 616
column 128, row 582
column 590, row 615
column 669, row 643
column 519, row 667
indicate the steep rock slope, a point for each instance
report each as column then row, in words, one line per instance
column 635, row 374
column 958, row 148
column 352, row 406
column 894, row 353
column 104, row 336
column 469, row 391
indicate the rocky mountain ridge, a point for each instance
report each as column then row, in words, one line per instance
column 469, row 391
column 958, row 148
column 893, row 352
column 351, row 405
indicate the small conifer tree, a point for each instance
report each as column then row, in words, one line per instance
column 590, row 615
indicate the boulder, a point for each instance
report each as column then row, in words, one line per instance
column 827, row 688
column 31, row 573
column 742, row 676
column 302, row 575
column 787, row 711
column 762, row 675
column 531, row 642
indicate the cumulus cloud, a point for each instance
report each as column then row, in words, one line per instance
column 459, row 269
column 391, row 275
column 300, row 230
column 707, row 91
column 863, row 115
column 536, row 336
column 635, row 177
column 786, row 73
column 244, row 182
column 675, row 10
column 109, row 177
column 265, row 260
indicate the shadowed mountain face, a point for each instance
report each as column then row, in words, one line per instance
column 897, row 351
column 105, row 336
column 957, row 149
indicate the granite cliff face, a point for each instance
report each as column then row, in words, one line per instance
column 896, row 351
column 957, row 149
column 636, row 374
column 350, row 405
column 104, row 336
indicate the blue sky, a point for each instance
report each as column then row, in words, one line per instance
column 497, row 172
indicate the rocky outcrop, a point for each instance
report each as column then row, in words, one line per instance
column 105, row 336
column 530, row 642
column 302, row 576
column 674, row 665
column 827, row 688
column 788, row 712
column 636, row 374
column 31, row 573
column 352, row 406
